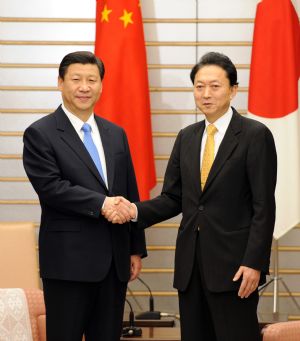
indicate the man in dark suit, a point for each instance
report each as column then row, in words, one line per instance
column 78, row 163
column 221, row 175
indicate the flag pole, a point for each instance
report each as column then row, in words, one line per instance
column 275, row 279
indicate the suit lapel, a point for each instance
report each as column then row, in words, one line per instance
column 107, row 138
column 194, row 150
column 228, row 145
column 71, row 138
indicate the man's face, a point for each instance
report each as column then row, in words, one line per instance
column 81, row 88
column 212, row 91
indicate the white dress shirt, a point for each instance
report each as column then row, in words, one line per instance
column 221, row 124
column 77, row 123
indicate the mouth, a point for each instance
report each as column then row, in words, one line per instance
column 83, row 98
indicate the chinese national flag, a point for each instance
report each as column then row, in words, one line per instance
column 125, row 97
column 273, row 99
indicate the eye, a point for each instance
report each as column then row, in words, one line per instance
column 215, row 86
column 199, row 87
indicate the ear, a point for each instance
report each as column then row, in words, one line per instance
column 233, row 90
column 60, row 83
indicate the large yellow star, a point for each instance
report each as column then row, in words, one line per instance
column 105, row 13
column 126, row 18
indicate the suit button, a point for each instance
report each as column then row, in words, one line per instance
column 201, row 208
column 197, row 228
column 91, row 213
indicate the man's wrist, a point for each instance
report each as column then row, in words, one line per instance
column 135, row 218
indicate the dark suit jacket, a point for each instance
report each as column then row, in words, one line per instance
column 75, row 241
column 235, row 212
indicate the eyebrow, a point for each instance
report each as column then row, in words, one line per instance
column 212, row 81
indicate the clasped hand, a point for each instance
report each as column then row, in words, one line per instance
column 118, row 210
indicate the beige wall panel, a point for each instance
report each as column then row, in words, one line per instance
column 169, row 8
column 185, row 100
column 286, row 308
column 159, row 259
column 172, row 100
column 37, row 54
column 20, row 212
column 169, row 78
column 228, row 9
column 162, row 123
column 292, row 281
column 167, row 304
column 160, row 166
column 28, row 77
column 171, row 54
column 14, row 122
column 243, row 77
column 30, row 99
column 225, row 32
column 48, row 31
column 170, row 32
column 238, row 54
column 181, row 77
column 154, row 281
column 12, row 168
column 11, row 145
column 17, row 191
column 291, row 239
column 161, row 236
column 163, row 145
column 53, row 8
column 290, row 259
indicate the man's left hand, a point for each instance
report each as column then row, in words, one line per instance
column 250, row 280
column 135, row 266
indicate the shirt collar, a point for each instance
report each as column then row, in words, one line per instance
column 222, row 123
column 77, row 122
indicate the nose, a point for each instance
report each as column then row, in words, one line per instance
column 206, row 92
column 84, row 86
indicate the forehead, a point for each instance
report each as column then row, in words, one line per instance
column 83, row 69
column 210, row 73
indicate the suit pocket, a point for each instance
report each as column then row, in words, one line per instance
column 63, row 225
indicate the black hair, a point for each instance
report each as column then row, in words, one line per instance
column 219, row 59
column 80, row 57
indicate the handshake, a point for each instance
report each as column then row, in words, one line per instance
column 118, row 210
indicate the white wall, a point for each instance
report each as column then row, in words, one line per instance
column 32, row 104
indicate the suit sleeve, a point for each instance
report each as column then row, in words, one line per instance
column 137, row 236
column 168, row 203
column 44, row 174
column 262, row 173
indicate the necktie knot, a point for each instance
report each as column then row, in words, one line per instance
column 86, row 128
column 211, row 130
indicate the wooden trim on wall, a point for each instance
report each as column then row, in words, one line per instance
column 55, row 88
column 153, row 112
column 145, row 20
column 147, row 43
column 150, row 66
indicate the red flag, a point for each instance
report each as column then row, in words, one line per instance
column 125, row 98
column 273, row 99
column 275, row 63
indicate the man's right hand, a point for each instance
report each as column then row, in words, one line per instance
column 118, row 210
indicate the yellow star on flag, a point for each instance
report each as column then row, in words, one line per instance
column 126, row 18
column 105, row 13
